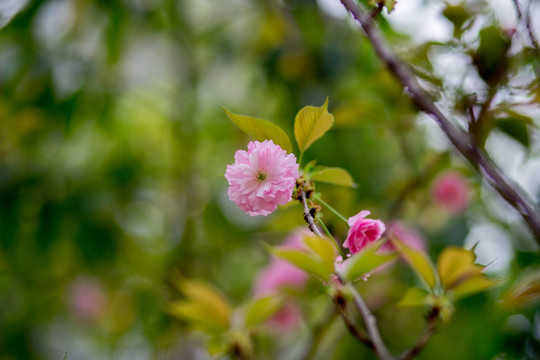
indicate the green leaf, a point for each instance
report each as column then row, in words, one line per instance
column 258, row 310
column 332, row 175
column 365, row 261
column 491, row 57
column 515, row 128
column 418, row 261
column 307, row 262
column 208, row 299
column 472, row 286
column 323, row 248
column 261, row 129
column 199, row 315
column 456, row 265
column 457, row 15
column 309, row 166
column 415, row 297
column 390, row 4
column 311, row 123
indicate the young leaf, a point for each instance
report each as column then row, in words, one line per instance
column 311, row 123
column 390, row 4
column 418, row 261
column 307, row 262
column 456, row 265
column 491, row 59
column 473, row 286
column 208, row 299
column 324, row 248
column 458, row 15
column 258, row 310
column 261, row 129
column 365, row 261
column 200, row 315
column 415, row 297
column 333, row 175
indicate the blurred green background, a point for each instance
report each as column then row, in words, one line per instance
column 113, row 147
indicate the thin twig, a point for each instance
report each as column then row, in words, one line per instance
column 477, row 128
column 334, row 211
column 307, row 215
column 343, row 256
column 528, row 24
column 492, row 173
column 341, row 305
column 377, row 10
column 371, row 326
column 429, row 331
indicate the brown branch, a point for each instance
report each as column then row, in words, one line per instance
column 308, row 216
column 429, row 331
column 461, row 140
column 377, row 10
column 341, row 304
column 371, row 326
column 351, row 326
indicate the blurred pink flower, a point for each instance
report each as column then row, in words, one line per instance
column 451, row 191
column 87, row 298
column 362, row 232
column 261, row 178
column 279, row 275
column 287, row 318
column 407, row 235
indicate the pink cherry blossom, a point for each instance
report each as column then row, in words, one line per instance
column 261, row 178
column 362, row 232
column 451, row 191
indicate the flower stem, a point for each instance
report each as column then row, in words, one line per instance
column 343, row 256
column 334, row 211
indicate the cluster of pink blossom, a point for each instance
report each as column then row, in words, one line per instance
column 261, row 178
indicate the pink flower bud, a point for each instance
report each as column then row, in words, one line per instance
column 451, row 191
column 261, row 178
column 362, row 232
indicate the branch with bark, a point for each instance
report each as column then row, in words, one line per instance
column 461, row 140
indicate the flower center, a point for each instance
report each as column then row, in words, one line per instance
column 260, row 175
